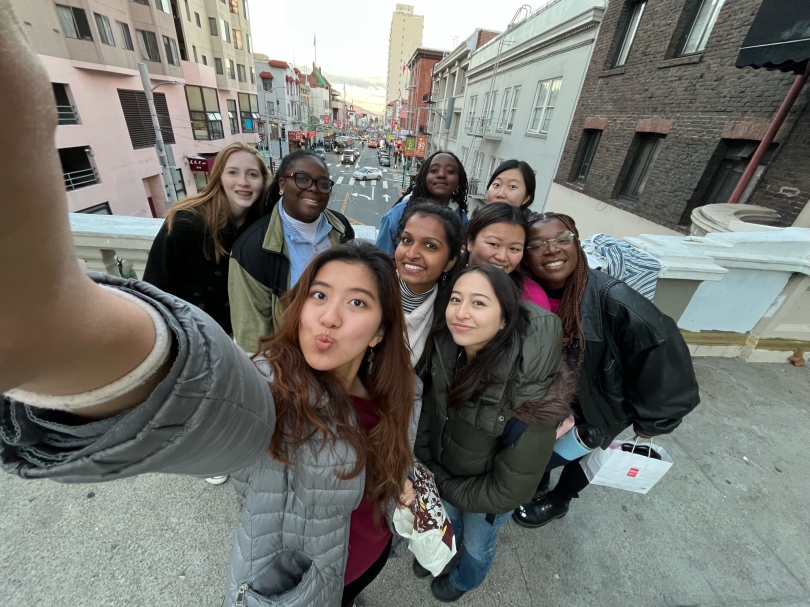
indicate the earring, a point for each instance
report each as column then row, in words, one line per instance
column 456, row 192
column 444, row 278
column 370, row 360
column 281, row 192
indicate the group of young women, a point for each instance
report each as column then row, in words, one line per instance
column 324, row 368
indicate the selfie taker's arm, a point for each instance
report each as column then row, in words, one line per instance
column 60, row 333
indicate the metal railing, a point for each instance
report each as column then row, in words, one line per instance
column 80, row 179
column 67, row 114
column 477, row 125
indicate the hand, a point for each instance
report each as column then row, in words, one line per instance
column 644, row 436
column 408, row 495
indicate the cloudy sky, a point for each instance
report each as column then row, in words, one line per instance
column 352, row 35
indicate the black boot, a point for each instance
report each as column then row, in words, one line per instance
column 540, row 511
column 419, row 571
column 444, row 591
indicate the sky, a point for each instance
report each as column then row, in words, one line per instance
column 352, row 36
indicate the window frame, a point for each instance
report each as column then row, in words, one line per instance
column 641, row 166
column 226, row 30
column 252, row 76
column 172, row 52
column 714, row 12
column 197, row 19
column 510, row 121
column 252, row 113
column 241, row 74
column 77, row 24
column 504, row 112
column 144, row 47
column 126, row 36
column 163, row 6
column 587, row 155
column 233, row 116
column 213, row 26
column 629, row 35
column 231, row 69
column 471, row 112
column 210, row 118
column 544, row 115
column 219, row 66
column 237, row 40
column 105, row 33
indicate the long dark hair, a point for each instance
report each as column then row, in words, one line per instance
column 528, row 177
column 385, row 452
column 419, row 189
column 492, row 364
column 449, row 219
column 274, row 193
column 497, row 212
column 574, row 286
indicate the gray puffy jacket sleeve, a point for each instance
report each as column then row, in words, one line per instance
column 213, row 414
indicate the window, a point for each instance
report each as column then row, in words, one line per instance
column 139, row 121
column 233, row 116
column 188, row 11
column 147, row 41
column 249, row 112
column 629, row 33
column 126, row 36
column 648, row 149
column 226, row 30
column 163, row 5
column 471, row 111
column 240, row 70
column 203, row 109
column 492, row 166
column 544, row 101
column 587, row 151
column 74, row 22
column 456, row 120
column 212, row 26
column 705, row 18
column 64, row 107
column 105, row 34
column 170, row 46
column 510, row 122
column 205, row 59
column 197, row 20
column 144, row 2
column 218, row 64
column 252, row 76
column 245, row 10
column 267, row 85
column 248, row 43
column 231, row 70
column 97, row 209
column 77, row 169
column 504, row 109
column 237, row 39
column 233, row 6
column 194, row 50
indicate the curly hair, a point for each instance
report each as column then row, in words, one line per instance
column 419, row 189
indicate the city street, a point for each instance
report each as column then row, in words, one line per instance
column 363, row 202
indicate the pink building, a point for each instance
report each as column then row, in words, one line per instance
column 204, row 88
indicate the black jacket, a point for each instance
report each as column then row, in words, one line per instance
column 637, row 369
column 177, row 265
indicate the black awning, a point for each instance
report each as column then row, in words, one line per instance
column 779, row 38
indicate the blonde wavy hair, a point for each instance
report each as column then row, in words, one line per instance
column 211, row 205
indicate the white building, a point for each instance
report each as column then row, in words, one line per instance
column 279, row 96
column 521, row 91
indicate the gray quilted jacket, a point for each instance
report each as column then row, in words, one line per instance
column 212, row 415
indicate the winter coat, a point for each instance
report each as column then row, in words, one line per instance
column 463, row 446
column 260, row 275
column 178, row 264
column 212, row 415
column 637, row 369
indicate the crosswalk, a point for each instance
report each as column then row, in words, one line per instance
column 339, row 181
column 351, row 181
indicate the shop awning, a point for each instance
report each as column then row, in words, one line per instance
column 779, row 37
column 201, row 164
column 266, row 75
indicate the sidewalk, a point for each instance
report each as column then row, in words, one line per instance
column 717, row 531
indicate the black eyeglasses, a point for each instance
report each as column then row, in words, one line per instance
column 303, row 181
column 536, row 247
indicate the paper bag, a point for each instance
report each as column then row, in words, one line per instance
column 425, row 525
column 626, row 470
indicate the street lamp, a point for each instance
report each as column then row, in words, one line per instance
column 168, row 180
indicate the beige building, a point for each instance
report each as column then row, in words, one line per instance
column 91, row 50
column 404, row 39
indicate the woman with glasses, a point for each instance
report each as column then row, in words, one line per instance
column 632, row 365
column 268, row 259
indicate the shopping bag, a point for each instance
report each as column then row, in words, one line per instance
column 425, row 524
column 628, row 470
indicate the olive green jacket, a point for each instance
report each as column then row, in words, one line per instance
column 463, row 446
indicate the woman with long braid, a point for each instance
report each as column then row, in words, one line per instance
column 633, row 367
column 441, row 180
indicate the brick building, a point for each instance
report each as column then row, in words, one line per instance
column 420, row 68
column 666, row 123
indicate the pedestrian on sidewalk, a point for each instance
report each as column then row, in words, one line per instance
column 271, row 255
column 512, row 182
column 633, row 367
column 442, row 181
column 493, row 369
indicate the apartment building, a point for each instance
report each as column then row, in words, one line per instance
column 279, row 98
column 404, row 38
column 91, row 50
column 447, row 96
column 420, row 70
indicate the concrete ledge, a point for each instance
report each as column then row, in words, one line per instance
column 688, row 60
column 616, row 71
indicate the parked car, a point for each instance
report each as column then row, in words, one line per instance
column 320, row 152
column 347, row 157
column 385, row 161
column 367, row 173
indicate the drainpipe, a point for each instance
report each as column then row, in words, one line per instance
column 778, row 120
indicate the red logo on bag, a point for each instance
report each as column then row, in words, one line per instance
column 633, row 472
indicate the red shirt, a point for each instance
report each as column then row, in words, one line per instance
column 367, row 540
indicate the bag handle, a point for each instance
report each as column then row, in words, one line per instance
column 635, row 443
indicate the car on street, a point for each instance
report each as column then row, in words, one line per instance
column 320, row 152
column 372, row 143
column 385, row 161
column 356, row 152
column 347, row 157
column 367, row 173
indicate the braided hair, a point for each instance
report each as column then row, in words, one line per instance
column 574, row 287
column 419, row 189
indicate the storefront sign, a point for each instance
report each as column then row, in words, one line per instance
column 421, row 146
column 198, row 164
column 410, row 145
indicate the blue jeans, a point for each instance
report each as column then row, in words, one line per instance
column 478, row 537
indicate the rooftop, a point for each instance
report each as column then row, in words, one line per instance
column 727, row 526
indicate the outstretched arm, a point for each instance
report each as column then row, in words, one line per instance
column 60, row 333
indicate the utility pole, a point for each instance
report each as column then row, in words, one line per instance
column 168, row 179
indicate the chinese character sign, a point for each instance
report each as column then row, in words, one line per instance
column 410, row 145
column 326, row 119
column 340, row 123
column 421, row 146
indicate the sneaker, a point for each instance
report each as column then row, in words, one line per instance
column 444, row 591
column 419, row 571
column 217, row 480
column 540, row 511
